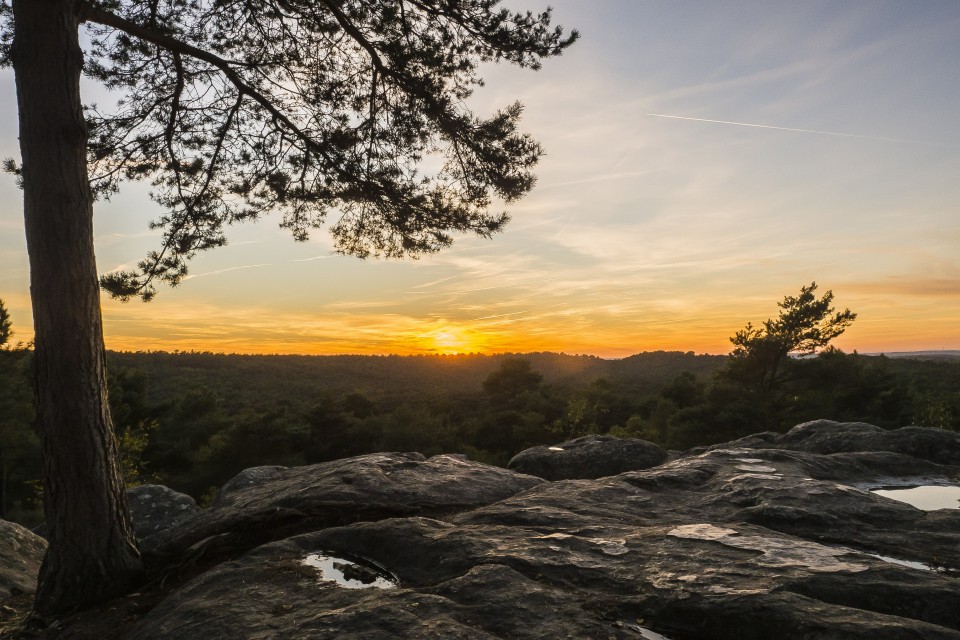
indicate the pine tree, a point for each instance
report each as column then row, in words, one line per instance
column 232, row 109
column 804, row 325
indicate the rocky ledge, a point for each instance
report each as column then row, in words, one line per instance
column 21, row 552
column 770, row 536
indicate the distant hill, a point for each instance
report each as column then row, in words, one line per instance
column 238, row 378
column 946, row 354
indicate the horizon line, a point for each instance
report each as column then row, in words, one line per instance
column 894, row 353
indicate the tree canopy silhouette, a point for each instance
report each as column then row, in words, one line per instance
column 352, row 111
column 804, row 325
column 6, row 325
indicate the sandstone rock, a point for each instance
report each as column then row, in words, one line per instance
column 247, row 478
column 588, row 457
column 370, row 487
column 21, row 553
column 154, row 507
column 732, row 543
column 827, row 436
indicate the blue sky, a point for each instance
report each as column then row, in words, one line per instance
column 704, row 159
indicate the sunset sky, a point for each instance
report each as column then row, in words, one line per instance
column 704, row 159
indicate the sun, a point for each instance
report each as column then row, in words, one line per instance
column 450, row 340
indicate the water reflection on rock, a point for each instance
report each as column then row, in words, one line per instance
column 347, row 574
column 926, row 497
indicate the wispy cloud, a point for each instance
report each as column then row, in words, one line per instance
column 606, row 177
column 501, row 315
column 490, row 287
column 355, row 305
column 918, row 285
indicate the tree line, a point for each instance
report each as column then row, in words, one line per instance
column 180, row 420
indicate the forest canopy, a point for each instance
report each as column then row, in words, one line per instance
column 192, row 420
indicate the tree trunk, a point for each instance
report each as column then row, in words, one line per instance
column 3, row 484
column 92, row 553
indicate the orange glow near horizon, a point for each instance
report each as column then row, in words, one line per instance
column 173, row 322
column 170, row 325
column 132, row 331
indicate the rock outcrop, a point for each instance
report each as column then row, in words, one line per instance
column 772, row 536
column 827, row 436
column 154, row 507
column 588, row 457
column 21, row 552
column 260, row 507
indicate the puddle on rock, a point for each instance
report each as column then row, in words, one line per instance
column 755, row 476
column 926, row 497
column 349, row 574
column 756, row 468
column 646, row 634
column 903, row 563
column 555, row 449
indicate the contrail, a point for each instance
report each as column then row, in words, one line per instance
column 211, row 273
column 770, row 126
column 322, row 257
column 427, row 285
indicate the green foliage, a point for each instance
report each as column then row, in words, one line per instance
column 686, row 390
column 845, row 387
column 19, row 445
column 388, row 381
column 131, row 443
column 504, row 433
column 134, row 423
column 191, row 421
column 514, row 378
column 937, row 413
column 340, row 429
column 649, row 423
column 595, row 408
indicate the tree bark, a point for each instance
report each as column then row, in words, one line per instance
column 92, row 553
column 3, row 486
